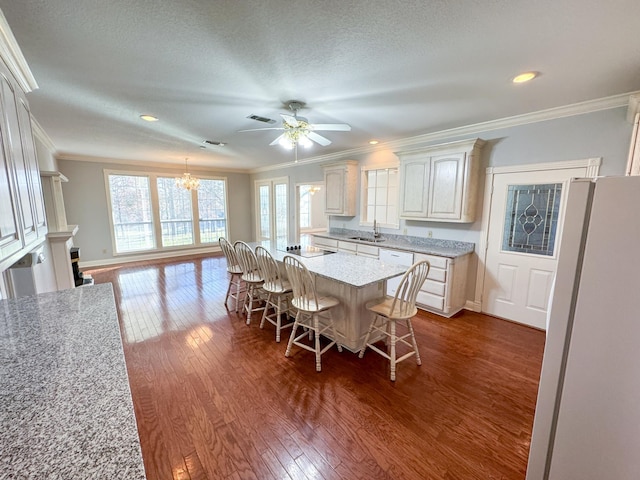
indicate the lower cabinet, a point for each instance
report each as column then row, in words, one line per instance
column 444, row 290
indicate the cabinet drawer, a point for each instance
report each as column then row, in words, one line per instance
column 328, row 243
column 436, row 262
column 435, row 288
column 368, row 251
column 430, row 300
column 348, row 247
column 395, row 257
column 437, row 274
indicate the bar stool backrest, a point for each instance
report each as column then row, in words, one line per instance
column 304, row 288
column 246, row 257
column 404, row 301
column 233, row 265
column 269, row 269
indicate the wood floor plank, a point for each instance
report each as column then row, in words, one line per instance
column 216, row 399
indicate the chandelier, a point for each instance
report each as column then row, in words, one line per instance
column 186, row 181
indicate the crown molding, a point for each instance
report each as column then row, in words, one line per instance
column 141, row 163
column 39, row 132
column 13, row 57
column 634, row 107
column 590, row 106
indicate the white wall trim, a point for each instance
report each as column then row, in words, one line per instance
column 634, row 107
column 150, row 256
column 41, row 135
column 473, row 306
column 592, row 166
column 13, row 57
column 581, row 108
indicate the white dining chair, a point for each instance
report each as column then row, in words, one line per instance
column 235, row 288
column 392, row 310
column 309, row 306
column 251, row 277
column 278, row 291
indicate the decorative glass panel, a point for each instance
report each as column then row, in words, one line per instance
column 532, row 218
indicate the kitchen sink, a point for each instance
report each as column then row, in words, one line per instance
column 367, row 239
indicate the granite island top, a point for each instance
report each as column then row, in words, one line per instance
column 342, row 267
column 429, row 246
column 65, row 405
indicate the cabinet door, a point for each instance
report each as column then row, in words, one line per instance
column 10, row 241
column 446, row 186
column 415, row 176
column 334, row 181
column 16, row 159
column 31, row 163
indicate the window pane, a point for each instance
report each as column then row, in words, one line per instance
column 281, row 211
column 176, row 218
column 131, row 213
column 212, row 208
column 305, row 206
column 381, row 192
column 265, row 230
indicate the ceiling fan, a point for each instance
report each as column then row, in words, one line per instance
column 298, row 131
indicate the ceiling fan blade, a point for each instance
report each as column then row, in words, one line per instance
column 339, row 127
column 257, row 129
column 318, row 139
column 289, row 119
column 277, row 140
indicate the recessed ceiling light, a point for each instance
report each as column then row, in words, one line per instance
column 149, row 118
column 525, row 77
column 373, row 142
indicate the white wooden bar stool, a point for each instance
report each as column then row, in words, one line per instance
column 278, row 291
column 251, row 277
column 399, row 308
column 309, row 306
column 234, row 269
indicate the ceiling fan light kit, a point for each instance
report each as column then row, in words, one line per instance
column 297, row 130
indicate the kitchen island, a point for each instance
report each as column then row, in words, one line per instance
column 65, row 404
column 352, row 280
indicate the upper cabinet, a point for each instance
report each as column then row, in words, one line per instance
column 341, row 182
column 440, row 183
column 22, row 213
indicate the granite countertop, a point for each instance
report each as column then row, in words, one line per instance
column 343, row 267
column 429, row 246
column 65, row 404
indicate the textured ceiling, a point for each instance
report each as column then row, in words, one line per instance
column 390, row 69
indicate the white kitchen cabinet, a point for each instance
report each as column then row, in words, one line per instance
column 395, row 257
column 440, row 183
column 341, row 183
column 444, row 290
column 22, row 213
column 347, row 247
column 329, row 244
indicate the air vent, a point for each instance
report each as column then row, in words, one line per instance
column 213, row 142
column 261, row 119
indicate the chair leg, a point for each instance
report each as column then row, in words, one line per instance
column 316, row 326
column 333, row 331
column 250, row 293
column 226, row 298
column 278, row 319
column 413, row 341
column 266, row 308
column 239, row 290
column 366, row 337
column 293, row 334
column 392, row 353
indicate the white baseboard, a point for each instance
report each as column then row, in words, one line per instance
column 473, row 306
column 149, row 256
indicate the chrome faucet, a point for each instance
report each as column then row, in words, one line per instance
column 376, row 233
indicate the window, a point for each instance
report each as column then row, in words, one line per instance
column 212, row 206
column 131, row 213
column 176, row 217
column 271, row 205
column 148, row 212
column 380, row 197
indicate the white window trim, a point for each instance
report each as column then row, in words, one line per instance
column 271, row 182
column 363, row 194
column 155, row 212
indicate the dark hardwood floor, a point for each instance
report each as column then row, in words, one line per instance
column 216, row 399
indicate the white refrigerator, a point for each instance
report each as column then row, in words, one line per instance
column 587, row 419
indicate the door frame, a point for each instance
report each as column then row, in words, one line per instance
column 592, row 166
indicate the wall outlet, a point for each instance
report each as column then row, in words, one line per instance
column 429, row 234
column 344, row 225
column 404, row 231
column 104, row 250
